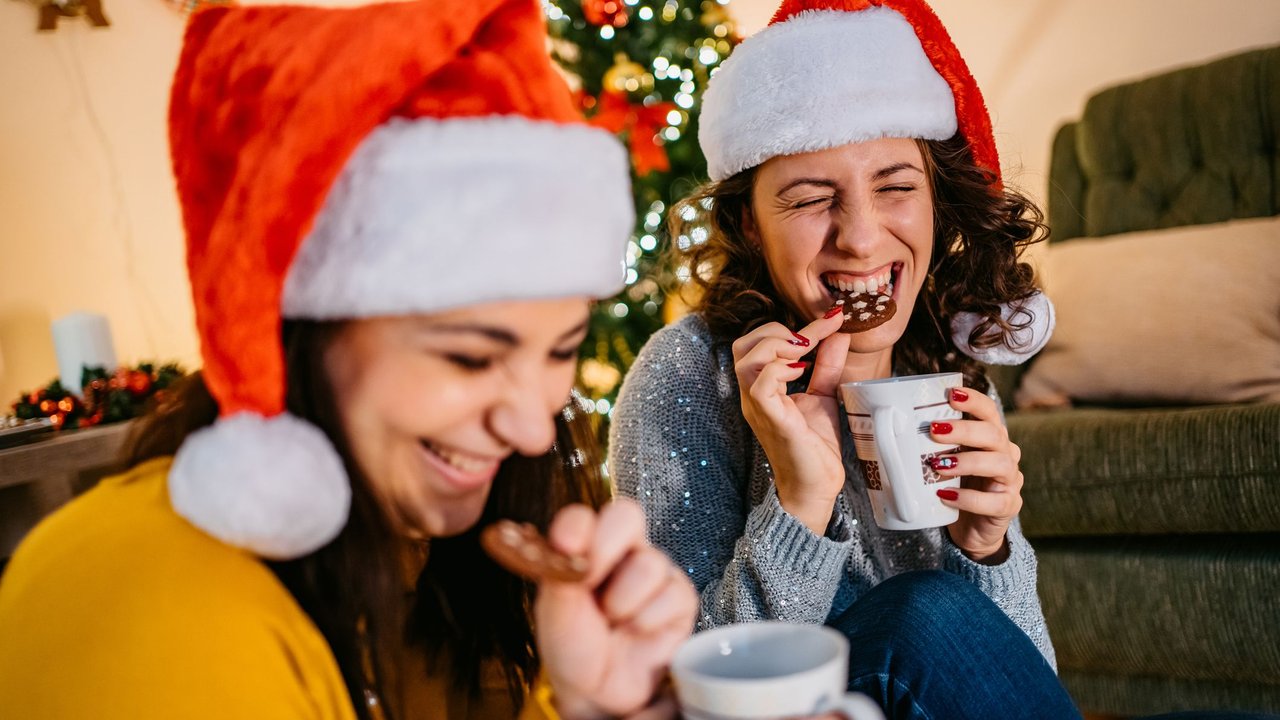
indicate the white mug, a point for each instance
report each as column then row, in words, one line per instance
column 767, row 670
column 890, row 421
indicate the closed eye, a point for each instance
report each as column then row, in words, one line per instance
column 566, row 355
column 811, row 203
column 467, row 362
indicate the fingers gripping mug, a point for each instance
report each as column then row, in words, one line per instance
column 767, row 671
column 890, row 421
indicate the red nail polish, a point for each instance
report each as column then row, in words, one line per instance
column 940, row 428
column 959, row 395
column 942, row 463
column 800, row 340
column 834, row 311
column 948, row 494
column 801, row 364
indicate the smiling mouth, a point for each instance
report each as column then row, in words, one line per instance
column 462, row 462
column 882, row 282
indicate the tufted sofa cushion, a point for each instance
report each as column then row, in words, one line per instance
column 1199, row 145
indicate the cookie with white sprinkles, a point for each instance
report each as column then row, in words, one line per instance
column 866, row 310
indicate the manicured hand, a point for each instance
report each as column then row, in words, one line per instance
column 800, row 432
column 991, row 492
column 606, row 642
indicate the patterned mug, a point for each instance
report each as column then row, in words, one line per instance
column 890, row 423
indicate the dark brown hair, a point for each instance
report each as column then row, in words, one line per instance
column 980, row 231
column 466, row 610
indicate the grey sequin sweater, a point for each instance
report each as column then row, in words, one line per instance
column 681, row 447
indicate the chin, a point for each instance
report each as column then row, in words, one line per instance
column 447, row 517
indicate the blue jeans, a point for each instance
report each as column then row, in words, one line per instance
column 930, row 646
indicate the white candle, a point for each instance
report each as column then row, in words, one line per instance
column 82, row 340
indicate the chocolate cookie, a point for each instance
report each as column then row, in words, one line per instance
column 864, row 311
column 522, row 550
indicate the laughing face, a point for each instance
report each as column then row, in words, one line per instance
column 432, row 404
column 856, row 218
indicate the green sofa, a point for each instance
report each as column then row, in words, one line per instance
column 1158, row 529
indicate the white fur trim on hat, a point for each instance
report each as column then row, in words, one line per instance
column 431, row 214
column 274, row 486
column 819, row 80
column 1023, row 345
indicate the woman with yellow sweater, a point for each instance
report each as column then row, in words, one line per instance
column 390, row 295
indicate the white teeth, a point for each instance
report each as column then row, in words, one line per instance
column 873, row 285
column 461, row 462
column 859, row 286
column 846, row 287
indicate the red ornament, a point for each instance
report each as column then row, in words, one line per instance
column 138, row 382
column 605, row 12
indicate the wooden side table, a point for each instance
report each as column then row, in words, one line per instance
column 37, row 478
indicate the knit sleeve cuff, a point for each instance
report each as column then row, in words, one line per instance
column 995, row 581
column 780, row 540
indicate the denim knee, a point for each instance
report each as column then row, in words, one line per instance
column 915, row 602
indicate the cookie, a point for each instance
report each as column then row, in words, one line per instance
column 864, row 311
column 522, row 550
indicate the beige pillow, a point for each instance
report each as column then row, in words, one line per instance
column 1184, row 315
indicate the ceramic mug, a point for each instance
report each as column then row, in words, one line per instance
column 890, row 423
column 767, row 670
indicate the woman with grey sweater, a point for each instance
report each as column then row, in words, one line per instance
column 851, row 160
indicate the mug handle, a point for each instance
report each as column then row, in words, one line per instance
column 854, row 706
column 891, row 431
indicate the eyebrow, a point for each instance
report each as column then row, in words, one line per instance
column 885, row 172
column 506, row 337
column 807, row 181
column 880, row 174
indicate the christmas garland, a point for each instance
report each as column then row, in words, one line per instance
column 122, row 395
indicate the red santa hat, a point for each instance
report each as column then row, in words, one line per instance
column 827, row 73
column 345, row 163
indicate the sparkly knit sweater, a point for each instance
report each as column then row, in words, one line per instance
column 681, row 447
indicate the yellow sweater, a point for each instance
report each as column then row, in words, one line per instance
column 116, row 608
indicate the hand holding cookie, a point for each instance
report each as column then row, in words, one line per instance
column 606, row 636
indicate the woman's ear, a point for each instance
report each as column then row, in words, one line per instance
column 749, row 228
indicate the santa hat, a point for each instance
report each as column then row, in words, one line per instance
column 827, row 73
column 344, row 163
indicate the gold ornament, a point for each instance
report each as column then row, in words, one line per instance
column 627, row 76
column 600, row 377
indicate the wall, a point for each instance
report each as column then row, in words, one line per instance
column 88, row 219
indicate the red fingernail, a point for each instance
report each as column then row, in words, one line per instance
column 800, row 341
column 834, row 311
column 948, row 494
column 959, row 395
column 940, row 428
column 801, row 364
column 942, row 463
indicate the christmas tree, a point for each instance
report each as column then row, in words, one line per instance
column 640, row 67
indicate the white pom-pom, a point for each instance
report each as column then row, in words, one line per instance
column 274, row 486
column 1022, row 345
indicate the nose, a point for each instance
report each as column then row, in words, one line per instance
column 522, row 418
column 855, row 229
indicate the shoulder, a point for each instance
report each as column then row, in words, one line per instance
column 684, row 348
column 682, row 363
column 172, row 612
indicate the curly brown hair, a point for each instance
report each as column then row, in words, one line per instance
column 980, row 232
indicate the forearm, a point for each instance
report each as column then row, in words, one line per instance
column 779, row 570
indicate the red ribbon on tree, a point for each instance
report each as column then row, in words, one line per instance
column 641, row 123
